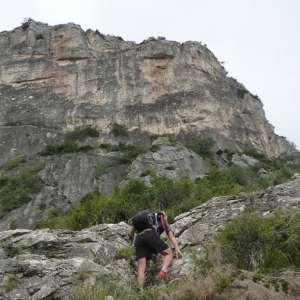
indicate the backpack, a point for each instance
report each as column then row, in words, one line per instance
column 149, row 219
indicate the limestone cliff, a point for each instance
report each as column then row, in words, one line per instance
column 54, row 78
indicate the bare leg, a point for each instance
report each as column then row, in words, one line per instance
column 141, row 271
column 168, row 257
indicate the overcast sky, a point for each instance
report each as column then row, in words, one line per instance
column 259, row 40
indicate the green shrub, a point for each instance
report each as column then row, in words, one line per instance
column 125, row 252
column 155, row 148
column 242, row 176
column 55, row 212
column 119, row 130
column 100, row 34
column 255, row 97
column 12, row 283
column 53, row 223
column 129, row 154
column 81, row 133
column 170, row 168
column 172, row 138
column 25, row 23
column 13, row 163
column 145, row 173
column 252, row 242
column 60, row 149
column 11, row 251
column 215, row 183
column 202, row 146
column 42, row 206
column 174, row 195
column 100, row 169
column 16, row 189
column 13, row 225
column 219, row 152
column 3, row 181
column 241, row 93
column 222, row 282
column 255, row 154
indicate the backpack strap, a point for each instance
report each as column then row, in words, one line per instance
column 154, row 222
column 163, row 222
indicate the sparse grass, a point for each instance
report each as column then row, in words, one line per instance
column 13, row 163
column 87, row 293
column 10, row 250
column 101, row 169
column 12, row 283
column 13, row 225
column 172, row 138
column 217, row 284
column 125, row 252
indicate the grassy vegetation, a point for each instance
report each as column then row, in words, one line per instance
column 251, row 242
column 171, row 137
column 119, row 130
column 211, row 279
column 128, row 153
column 173, row 195
column 70, row 145
column 16, row 190
column 15, row 162
column 250, row 248
column 12, row 283
column 10, row 250
column 202, row 146
column 81, row 133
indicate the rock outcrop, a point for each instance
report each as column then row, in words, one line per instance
column 55, row 263
column 68, row 178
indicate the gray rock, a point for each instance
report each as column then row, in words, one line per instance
column 171, row 160
column 243, row 161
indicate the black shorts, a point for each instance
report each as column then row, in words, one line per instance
column 147, row 244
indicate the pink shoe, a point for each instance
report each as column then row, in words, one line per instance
column 165, row 275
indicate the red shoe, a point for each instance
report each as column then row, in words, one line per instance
column 165, row 275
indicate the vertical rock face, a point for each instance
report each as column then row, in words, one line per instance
column 53, row 79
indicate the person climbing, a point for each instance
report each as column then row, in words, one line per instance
column 148, row 226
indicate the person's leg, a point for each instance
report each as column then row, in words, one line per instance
column 168, row 257
column 141, row 271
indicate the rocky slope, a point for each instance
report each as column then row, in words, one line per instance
column 47, row 264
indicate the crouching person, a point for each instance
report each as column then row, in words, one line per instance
column 148, row 226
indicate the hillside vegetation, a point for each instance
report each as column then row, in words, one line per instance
column 251, row 249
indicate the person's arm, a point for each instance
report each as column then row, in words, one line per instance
column 170, row 234
column 175, row 244
column 131, row 234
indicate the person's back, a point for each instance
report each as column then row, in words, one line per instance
column 140, row 221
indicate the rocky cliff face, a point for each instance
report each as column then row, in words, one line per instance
column 53, row 264
column 53, row 79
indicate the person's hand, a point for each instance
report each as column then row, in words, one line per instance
column 178, row 253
